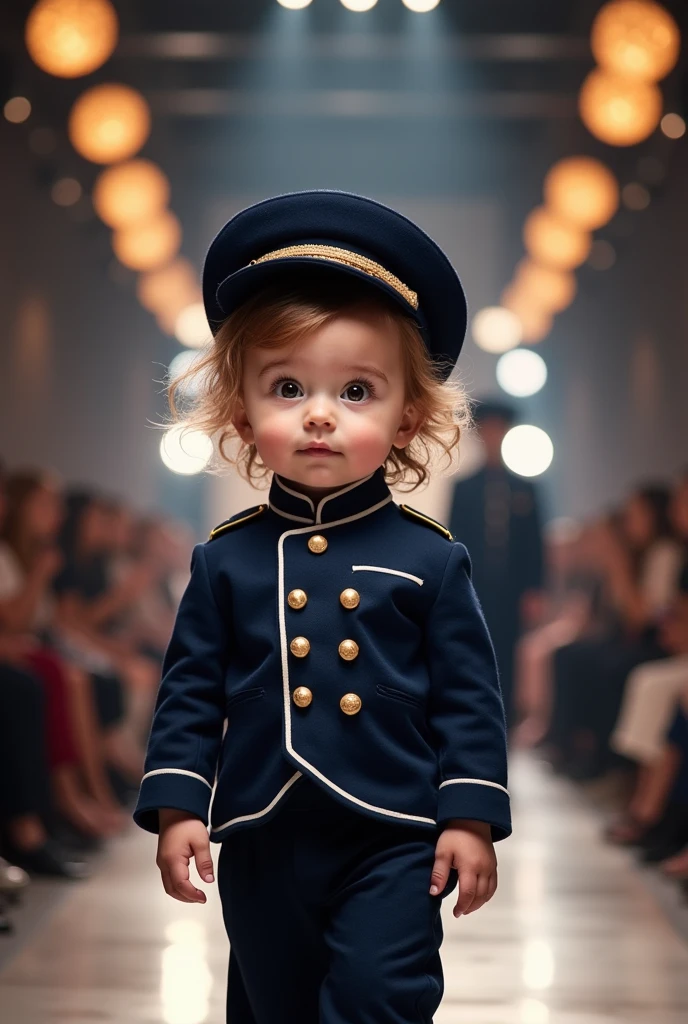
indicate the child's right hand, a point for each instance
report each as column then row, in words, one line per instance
column 183, row 836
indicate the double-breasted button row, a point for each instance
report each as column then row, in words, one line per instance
column 300, row 646
column 350, row 703
column 298, row 598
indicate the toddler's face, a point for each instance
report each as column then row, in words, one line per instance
column 326, row 410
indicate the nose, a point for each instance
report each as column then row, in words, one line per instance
column 319, row 414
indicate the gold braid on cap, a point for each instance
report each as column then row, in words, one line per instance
column 347, row 257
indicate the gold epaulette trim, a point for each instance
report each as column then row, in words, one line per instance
column 235, row 522
column 347, row 257
column 426, row 520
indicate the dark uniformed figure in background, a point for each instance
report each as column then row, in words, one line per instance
column 496, row 514
column 363, row 767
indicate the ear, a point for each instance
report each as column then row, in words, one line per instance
column 241, row 424
column 408, row 427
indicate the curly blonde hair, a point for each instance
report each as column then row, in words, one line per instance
column 204, row 397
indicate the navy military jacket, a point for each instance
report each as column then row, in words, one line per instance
column 342, row 641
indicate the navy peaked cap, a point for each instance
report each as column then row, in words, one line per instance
column 348, row 234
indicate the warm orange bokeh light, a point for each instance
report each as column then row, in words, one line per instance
column 150, row 244
column 171, row 288
column 109, row 123
column 636, row 38
column 130, row 192
column 549, row 288
column 583, row 191
column 70, row 38
column 619, row 110
column 555, row 242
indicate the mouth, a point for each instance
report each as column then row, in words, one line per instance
column 317, row 450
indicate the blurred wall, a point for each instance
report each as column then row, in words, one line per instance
column 77, row 352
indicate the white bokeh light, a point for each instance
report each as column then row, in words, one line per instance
column 421, row 6
column 180, row 364
column 527, row 450
column 358, row 5
column 294, row 5
column 191, row 326
column 496, row 329
column 521, row 372
column 185, row 451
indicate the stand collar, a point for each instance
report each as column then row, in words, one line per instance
column 358, row 497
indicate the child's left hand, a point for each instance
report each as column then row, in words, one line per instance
column 466, row 844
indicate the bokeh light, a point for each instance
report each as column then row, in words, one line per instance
column 618, row 110
column 191, row 326
column 150, row 244
column 536, row 320
column 182, row 363
column 294, row 5
column 527, row 450
column 636, row 38
column 582, row 190
column 555, row 242
column 109, row 123
column 550, row 288
column 421, row 6
column 172, row 286
column 185, row 451
column 17, row 110
column 496, row 329
column 673, row 126
column 69, row 38
column 521, row 372
column 358, row 5
column 635, row 196
column 130, row 192
column 66, row 192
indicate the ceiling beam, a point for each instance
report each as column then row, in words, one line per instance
column 519, row 47
column 360, row 103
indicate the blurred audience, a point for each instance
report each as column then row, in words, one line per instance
column 88, row 595
column 603, row 680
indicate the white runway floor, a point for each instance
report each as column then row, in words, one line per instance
column 577, row 933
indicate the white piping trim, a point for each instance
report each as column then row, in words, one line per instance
column 480, row 782
column 336, row 494
column 285, row 668
column 288, row 515
column 296, row 494
column 176, row 771
column 393, row 572
column 259, row 814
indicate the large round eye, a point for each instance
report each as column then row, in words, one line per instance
column 287, row 389
column 356, row 392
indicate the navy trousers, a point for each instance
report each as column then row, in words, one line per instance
column 329, row 917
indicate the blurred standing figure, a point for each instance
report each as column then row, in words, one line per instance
column 496, row 514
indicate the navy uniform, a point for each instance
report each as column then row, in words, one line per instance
column 496, row 514
column 343, row 645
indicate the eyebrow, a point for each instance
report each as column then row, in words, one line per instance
column 374, row 371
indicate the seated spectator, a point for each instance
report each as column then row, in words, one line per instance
column 29, row 559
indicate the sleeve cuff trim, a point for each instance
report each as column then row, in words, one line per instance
column 480, row 782
column 177, row 771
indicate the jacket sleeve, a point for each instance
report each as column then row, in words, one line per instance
column 466, row 710
column 186, row 732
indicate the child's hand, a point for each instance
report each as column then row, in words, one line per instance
column 182, row 836
column 466, row 845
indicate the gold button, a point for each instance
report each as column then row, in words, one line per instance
column 349, row 598
column 350, row 703
column 317, row 543
column 297, row 598
column 299, row 646
column 348, row 650
column 302, row 696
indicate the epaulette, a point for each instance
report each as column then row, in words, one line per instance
column 241, row 517
column 420, row 517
